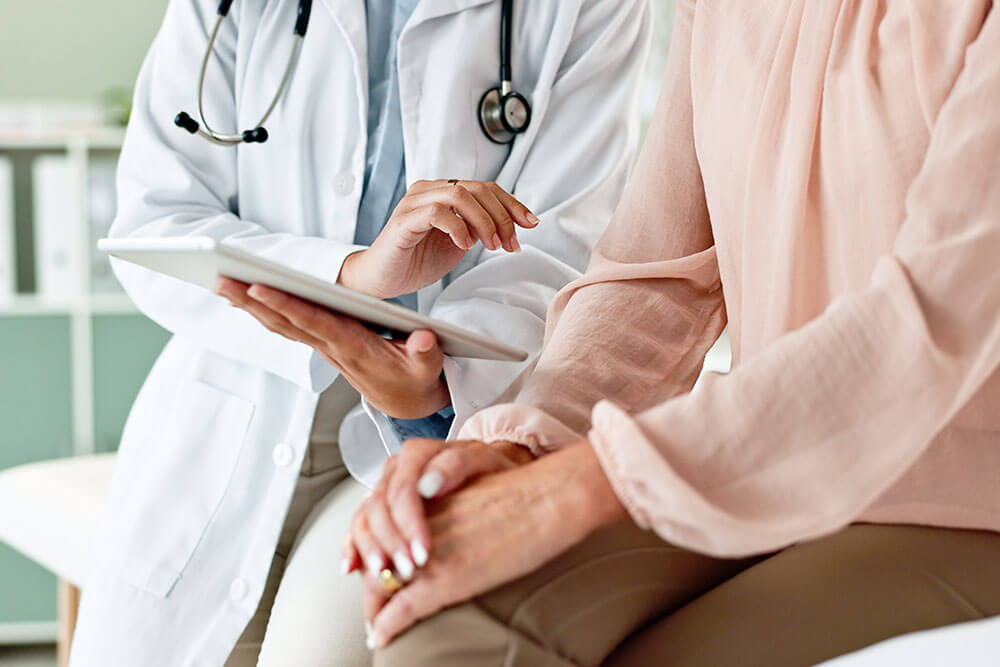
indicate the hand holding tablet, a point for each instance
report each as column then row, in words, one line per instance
column 202, row 261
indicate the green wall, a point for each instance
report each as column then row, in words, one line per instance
column 35, row 412
column 73, row 49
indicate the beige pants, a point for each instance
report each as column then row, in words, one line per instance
column 310, row 614
column 624, row 598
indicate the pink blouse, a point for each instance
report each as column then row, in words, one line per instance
column 825, row 176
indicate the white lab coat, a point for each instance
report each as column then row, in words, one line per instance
column 211, row 452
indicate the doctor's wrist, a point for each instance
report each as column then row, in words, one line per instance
column 356, row 274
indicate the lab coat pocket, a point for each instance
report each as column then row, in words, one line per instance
column 179, row 482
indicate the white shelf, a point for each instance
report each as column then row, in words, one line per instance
column 21, row 633
column 77, row 135
column 92, row 138
column 95, row 304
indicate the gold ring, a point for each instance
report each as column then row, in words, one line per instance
column 452, row 181
column 390, row 582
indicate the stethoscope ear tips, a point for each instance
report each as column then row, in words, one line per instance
column 186, row 122
column 256, row 136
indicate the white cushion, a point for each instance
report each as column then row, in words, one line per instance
column 972, row 644
column 50, row 510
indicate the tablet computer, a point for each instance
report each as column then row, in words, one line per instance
column 201, row 261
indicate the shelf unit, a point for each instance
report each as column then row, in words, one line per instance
column 75, row 340
column 78, row 145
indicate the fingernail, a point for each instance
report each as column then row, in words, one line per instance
column 377, row 640
column 430, row 484
column 470, row 243
column 255, row 292
column 419, row 553
column 219, row 285
column 368, row 629
column 497, row 242
column 374, row 564
column 533, row 219
column 514, row 245
column 370, row 642
column 403, row 565
column 345, row 565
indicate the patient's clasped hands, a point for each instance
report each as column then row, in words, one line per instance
column 454, row 520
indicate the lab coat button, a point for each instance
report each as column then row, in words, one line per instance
column 238, row 590
column 283, row 455
column 343, row 183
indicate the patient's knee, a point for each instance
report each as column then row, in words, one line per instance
column 460, row 636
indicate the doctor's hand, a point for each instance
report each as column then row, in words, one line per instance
column 390, row 527
column 400, row 378
column 429, row 233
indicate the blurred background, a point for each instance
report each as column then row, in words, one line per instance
column 73, row 349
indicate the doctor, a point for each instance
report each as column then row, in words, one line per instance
column 229, row 495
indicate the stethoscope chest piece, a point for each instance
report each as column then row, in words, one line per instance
column 503, row 115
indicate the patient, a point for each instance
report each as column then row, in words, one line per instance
column 825, row 178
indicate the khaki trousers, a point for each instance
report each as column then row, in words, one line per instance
column 310, row 614
column 625, row 598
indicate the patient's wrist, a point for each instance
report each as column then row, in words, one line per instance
column 517, row 453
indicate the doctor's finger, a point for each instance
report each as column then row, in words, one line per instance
column 278, row 323
column 340, row 337
column 521, row 214
column 444, row 207
column 502, row 218
column 484, row 221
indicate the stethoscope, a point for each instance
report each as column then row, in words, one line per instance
column 503, row 112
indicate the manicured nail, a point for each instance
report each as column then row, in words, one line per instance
column 219, row 285
column 470, row 243
column 430, row 484
column 377, row 640
column 514, row 245
column 497, row 242
column 533, row 219
column 345, row 566
column 370, row 642
column 256, row 292
column 374, row 564
column 403, row 565
column 419, row 553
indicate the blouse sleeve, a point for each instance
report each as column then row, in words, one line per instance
column 800, row 439
column 637, row 325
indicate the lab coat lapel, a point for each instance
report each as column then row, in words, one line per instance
column 351, row 17
column 432, row 9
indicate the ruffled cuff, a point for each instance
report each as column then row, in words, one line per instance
column 521, row 424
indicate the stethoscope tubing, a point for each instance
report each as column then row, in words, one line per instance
column 489, row 118
column 230, row 139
